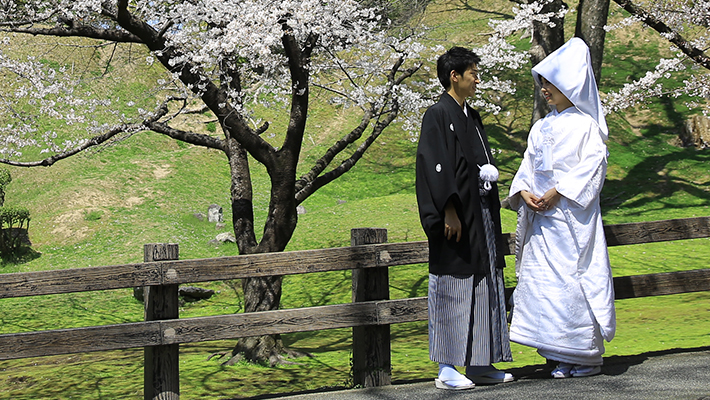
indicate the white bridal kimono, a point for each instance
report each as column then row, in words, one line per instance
column 564, row 300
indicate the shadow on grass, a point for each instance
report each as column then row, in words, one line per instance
column 21, row 256
column 468, row 5
column 627, row 191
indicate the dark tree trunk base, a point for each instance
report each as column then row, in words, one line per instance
column 262, row 294
column 261, row 349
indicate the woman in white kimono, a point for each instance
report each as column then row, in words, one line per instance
column 564, row 300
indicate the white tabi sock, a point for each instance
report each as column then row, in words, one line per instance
column 448, row 372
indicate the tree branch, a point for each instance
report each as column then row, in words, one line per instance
column 135, row 30
column 230, row 79
column 311, row 181
column 150, row 123
column 95, row 141
column 298, row 62
column 347, row 164
column 188, row 137
column 329, row 155
column 329, row 89
column 177, row 134
column 342, row 68
column 695, row 54
column 194, row 77
column 114, row 35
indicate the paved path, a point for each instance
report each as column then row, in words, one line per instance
column 682, row 374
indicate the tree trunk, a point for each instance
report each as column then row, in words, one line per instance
column 591, row 19
column 545, row 41
column 261, row 294
column 264, row 293
column 241, row 195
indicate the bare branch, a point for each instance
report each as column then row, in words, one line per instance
column 312, row 181
column 108, row 63
column 303, row 192
column 408, row 73
column 342, row 68
column 114, row 35
column 95, row 141
column 177, row 134
column 187, row 137
column 330, row 154
column 334, row 91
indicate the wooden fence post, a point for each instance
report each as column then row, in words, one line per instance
column 372, row 365
column 161, row 371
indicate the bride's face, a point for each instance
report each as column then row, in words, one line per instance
column 553, row 95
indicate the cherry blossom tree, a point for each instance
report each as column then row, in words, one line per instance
column 235, row 57
column 232, row 58
column 683, row 23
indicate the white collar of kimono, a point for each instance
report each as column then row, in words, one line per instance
column 569, row 68
column 487, row 172
column 465, row 109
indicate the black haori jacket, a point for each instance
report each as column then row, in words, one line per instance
column 449, row 153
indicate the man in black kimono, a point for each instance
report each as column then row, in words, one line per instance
column 460, row 213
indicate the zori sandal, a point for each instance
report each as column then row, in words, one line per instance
column 457, row 384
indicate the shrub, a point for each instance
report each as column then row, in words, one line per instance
column 14, row 220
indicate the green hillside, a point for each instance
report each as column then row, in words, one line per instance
column 100, row 208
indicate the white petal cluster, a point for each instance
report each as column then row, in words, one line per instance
column 639, row 90
column 352, row 59
column 32, row 10
column 689, row 18
column 49, row 97
column 351, row 63
column 498, row 54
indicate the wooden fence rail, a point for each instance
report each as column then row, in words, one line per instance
column 163, row 331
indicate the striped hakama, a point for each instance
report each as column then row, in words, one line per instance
column 467, row 317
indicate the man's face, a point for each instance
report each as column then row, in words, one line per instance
column 466, row 83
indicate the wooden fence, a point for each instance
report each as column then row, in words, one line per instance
column 370, row 313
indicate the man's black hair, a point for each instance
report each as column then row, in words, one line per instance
column 456, row 59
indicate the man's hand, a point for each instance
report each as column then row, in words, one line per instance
column 452, row 224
